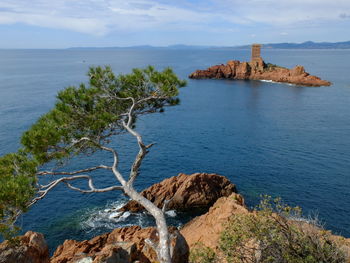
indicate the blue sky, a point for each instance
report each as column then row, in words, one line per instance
column 71, row 23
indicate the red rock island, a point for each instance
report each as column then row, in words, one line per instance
column 257, row 69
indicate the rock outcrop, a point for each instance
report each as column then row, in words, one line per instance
column 259, row 70
column 127, row 244
column 206, row 228
column 32, row 248
column 122, row 245
column 199, row 190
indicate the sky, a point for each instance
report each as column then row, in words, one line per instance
column 106, row 23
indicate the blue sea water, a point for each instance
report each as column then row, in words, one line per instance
column 267, row 138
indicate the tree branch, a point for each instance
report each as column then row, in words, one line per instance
column 163, row 246
column 44, row 189
column 140, row 155
column 114, row 167
column 75, row 172
column 93, row 189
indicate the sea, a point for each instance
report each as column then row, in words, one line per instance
column 269, row 138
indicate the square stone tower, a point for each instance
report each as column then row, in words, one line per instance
column 256, row 52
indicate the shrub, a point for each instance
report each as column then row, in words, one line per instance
column 270, row 66
column 202, row 254
column 274, row 233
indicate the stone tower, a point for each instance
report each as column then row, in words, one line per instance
column 256, row 53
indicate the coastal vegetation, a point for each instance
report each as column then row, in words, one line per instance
column 83, row 121
column 273, row 232
column 17, row 188
column 271, row 66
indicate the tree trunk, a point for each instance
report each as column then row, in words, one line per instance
column 163, row 247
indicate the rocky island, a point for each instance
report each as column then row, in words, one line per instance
column 257, row 69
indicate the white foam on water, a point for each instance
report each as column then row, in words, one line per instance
column 124, row 216
column 115, row 215
column 171, row 213
column 107, row 218
column 271, row 81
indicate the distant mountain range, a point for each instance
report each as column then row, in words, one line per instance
column 305, row 45
column 180, row 46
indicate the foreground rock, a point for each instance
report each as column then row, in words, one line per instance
column 122, row 245
column 199, row 190
column 206, row 228
column 32, row 248
column 259, row 70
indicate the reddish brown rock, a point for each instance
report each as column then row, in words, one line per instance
column 32, row 248
column 122, row 245
column 258, row 70
column 242, row 71
column 206, row 228
column 199, row 190
column 111, row 254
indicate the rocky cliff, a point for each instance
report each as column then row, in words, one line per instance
column 206, row 229
column 126, row 245
column 31, row 248
column 185, row 192
column 122, row 245
column 259, row 70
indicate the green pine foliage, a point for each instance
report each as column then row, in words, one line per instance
column 94, row 110
column 17, row 186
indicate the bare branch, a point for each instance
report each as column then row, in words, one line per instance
column 94, row 190
column 131, row 111
column 143, row 149
column 75, row 172
column 44, row 189
column 114, row 167
column 115, row 170
column 140, row 155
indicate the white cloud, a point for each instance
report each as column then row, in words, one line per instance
column 84, row 25
column 99, row 17
column 286, row 12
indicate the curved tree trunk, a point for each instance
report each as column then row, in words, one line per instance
column 163, row 246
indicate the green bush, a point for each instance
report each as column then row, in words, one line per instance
column 202, row 254
column 274, row 233
column 17, row 186
column 270, row 66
